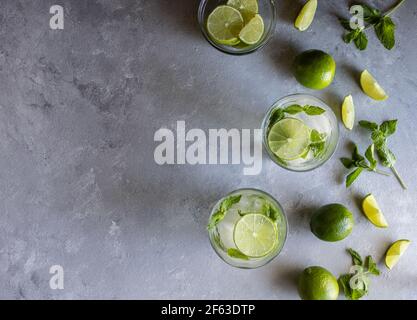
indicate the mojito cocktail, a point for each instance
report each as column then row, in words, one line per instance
column 247, row 228
column 300, row 132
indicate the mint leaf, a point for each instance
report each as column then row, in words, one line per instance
column 313, row 110
column 345, row 23
column 294, row 109
column 350, row 36
column 270, row 212
column 234, row 253
column 371, row 266
column 230, row 201
column 368, row 125
column 277, row 115
column 215, row 219
column 388, row 127
column 369, row 154
column 356, row 257
column 318, row 142
column 356, row 156
column 348, row 163
column 386, row 156
column 224, row 206
column 361, row 41
column 353, row 176
column 351, row 294
column 370, row 15
column 385, row 31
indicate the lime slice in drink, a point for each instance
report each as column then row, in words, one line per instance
column 395, row 252
column 348, row 112
column 371, row 87
column 224, row 25
column 306, row 15
column 289, row 139
column 248, row 8
column 255, row 235
column 253, row 31
column 373, row 212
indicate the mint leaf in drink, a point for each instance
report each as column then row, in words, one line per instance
column 368, row 125
column 353, row 176
column 371, row 266
column 235, row 253
column 294, row 109
column 356, row 257
column 318, row 142
column 277, row 115
column 230, row 201
column 385, row 31
column 370, row 156
column 220, row 213
column 269, row 211
column 215, row 219
column 313, row 110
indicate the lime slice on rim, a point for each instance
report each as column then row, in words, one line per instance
column 253, row 31
column 348, row 112
column 248, row 8
column 371, row 87
column 395, row 252
column 306, row 15
column 255, row 235
column 289, row 139
column 224, row 25
column 373, row 212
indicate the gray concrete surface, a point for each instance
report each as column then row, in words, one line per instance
column 79, row 186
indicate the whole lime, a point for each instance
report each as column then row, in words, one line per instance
column 314, row 69
column 317, row 283
column 332, row 222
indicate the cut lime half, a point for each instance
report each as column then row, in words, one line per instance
column 224, row 25
column 253, row 31
column 371, row 87
column 348, row 112
column 306, row 15
column 395, row 251
column 289, row 139
column 255, row 235
column 248, row 8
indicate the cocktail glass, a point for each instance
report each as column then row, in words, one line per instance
column 247, row 228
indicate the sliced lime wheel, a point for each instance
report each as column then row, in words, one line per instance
column 224, row 25
column 255, row 235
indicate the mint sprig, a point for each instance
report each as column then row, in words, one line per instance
column 381, row 22
column 361, row 163
column 379, row 136
column 220, row 213
column 355, row 284
column 279, row 113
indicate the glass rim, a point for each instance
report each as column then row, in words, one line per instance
column 265, row 138
column 268, row 34
column 283, row 215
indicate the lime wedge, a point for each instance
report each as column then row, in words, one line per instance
column 348, row 112
column 248, row 8
column 395, row 251
column 373, row 212
column 255, row 235
column 224, row 25
column 306, row 15
column 253, row 31
column 289, row 139
column 371, row 87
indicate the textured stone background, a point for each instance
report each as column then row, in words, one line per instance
column 78, row 183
